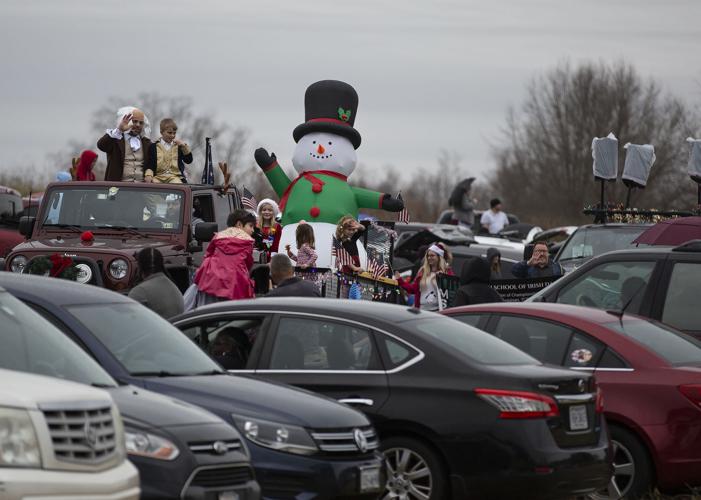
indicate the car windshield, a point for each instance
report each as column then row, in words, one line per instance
column 471, row 343
column 675, row 347
column 112, row 207
column 32, row 344
column 143, row 342
column 588, row 242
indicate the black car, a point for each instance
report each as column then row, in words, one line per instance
column 458, row 411
column 591, row 240
column 181, row 451
column 301, row 445
column 656, row 282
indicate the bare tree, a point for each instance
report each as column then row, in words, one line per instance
column 544, row 162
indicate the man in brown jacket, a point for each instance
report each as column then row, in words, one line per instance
column 127, row 150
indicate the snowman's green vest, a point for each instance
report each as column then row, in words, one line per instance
column 318, row 196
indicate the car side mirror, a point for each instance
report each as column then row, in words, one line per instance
column 204, row 231
column 26, row 226
column 194, row 246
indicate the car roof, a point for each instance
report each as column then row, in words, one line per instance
column 371, row 311
column 61, row 291
column 615, row 225
column 544, row 309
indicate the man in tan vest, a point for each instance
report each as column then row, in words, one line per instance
column 126, row 147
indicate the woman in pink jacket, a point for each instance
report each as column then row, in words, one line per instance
column 224, row 273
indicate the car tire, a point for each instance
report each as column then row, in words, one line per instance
column 413, row 466
column 633, row 472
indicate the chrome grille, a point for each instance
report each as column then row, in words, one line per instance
column 345, row 441
column 214, row 447
column 82, row 436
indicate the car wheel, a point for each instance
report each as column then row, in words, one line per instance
column 632, row 474
column 414, row 471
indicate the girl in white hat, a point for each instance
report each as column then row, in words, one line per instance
column 268, row 210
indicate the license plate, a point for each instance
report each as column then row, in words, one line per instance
column 369, row 479
column 578, row 418
column 228, row 495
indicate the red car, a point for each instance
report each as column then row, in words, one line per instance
column 650, row 375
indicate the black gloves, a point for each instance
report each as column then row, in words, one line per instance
column 263, row 159
column 391, row 204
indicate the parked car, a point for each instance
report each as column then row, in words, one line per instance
column 301, row 445
column 650, row 375
column 123, row 218
column 555, row 237
column 36, row 459
column 10, row 210
column 591, row 240
column 181, row 451
column 656, row 282
column 458, row 411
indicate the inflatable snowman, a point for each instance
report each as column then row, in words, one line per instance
column 323, row 158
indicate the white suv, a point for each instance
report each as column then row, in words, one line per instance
column 61, row 440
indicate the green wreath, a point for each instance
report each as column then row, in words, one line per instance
column 56, row 266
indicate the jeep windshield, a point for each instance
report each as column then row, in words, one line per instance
column 588, row 242
column 115, row 208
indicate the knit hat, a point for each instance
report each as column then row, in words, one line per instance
column 63, row 176
column 84, row 166
column 276, row 209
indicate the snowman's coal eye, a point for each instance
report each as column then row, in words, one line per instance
column 313, row 142
column 329, row 143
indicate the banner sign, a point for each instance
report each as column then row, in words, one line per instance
column 448, row 286
column 518, row 290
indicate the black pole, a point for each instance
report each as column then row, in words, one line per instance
column 603, row 207
column 698, row 194
column 630, row 190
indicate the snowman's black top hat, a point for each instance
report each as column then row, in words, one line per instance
column 330, row 106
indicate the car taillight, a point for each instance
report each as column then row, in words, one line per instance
column 519, row 404
column 599, row 401
column 692, row 392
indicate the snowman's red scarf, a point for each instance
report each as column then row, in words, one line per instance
column 314, row 180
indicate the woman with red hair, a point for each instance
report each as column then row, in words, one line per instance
column 85, row 165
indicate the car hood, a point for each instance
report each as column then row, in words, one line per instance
column 102, row 243
column 266, row 400
column 152, row 410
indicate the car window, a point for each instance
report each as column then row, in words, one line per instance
column 544, row 340
column 610, row 359
column 397, row 352
column 468, row 319
column 677, row 348
column 229, row 341
column 32, row 344
column 469, row 342
column 142, row 341
column 583, row 351
column 681, row 306
column 312, row 344
column 611, row 285
column 589, row 242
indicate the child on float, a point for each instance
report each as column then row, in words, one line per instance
column 348, row 232
column 167, row 156
column 84, row 167
column 306, row 255
column 425, row 287
column 224, row 273
column 271, row 230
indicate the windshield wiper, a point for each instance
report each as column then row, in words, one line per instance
column 103, row 386
column 161, row 373
column 129, row 229
column 210, row 372
column 74, row 227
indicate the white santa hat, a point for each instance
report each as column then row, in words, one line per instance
column 125, row 110
column 276, row 209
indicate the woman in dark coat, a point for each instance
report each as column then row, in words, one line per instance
column 474, row 284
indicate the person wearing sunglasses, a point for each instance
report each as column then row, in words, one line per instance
column 126, row 146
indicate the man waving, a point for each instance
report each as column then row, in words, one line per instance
column 126, row 146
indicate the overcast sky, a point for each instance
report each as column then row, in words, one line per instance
column 430, row 75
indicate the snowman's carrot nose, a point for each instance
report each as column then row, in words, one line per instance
column 320, row 149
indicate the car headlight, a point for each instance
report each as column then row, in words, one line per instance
column 118, row 268
column 148, row 445
column 17, row 263
column 280, row 437
column 18, row 440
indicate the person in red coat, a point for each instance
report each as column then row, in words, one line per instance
column 85, row 165
column 224, row 273
column 424, row 287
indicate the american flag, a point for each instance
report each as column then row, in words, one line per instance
column 208, row 170
column 248, row 200
column 377, row 269
column 343, row 258
column 403, row 215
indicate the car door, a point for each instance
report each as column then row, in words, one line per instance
column 677, row 303
column 335, row 357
